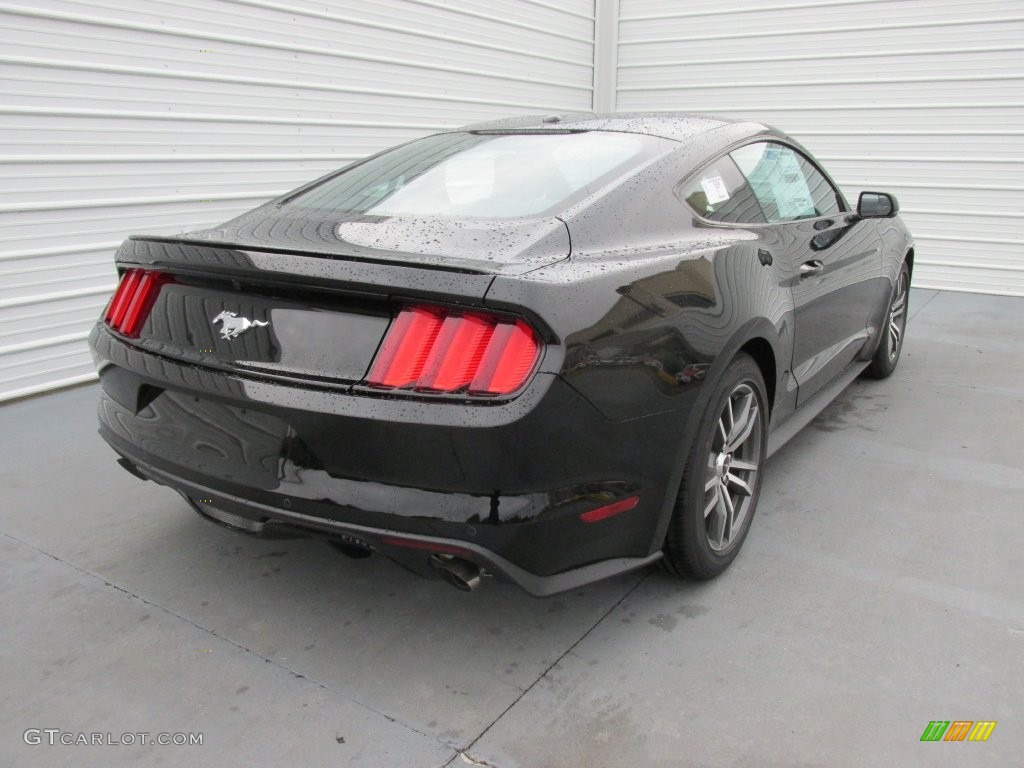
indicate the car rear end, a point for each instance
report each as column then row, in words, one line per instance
column 382, row 404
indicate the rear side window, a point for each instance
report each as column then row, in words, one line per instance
column 721, row 193
column 786, row 184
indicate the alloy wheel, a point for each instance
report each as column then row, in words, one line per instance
column 898, row 316
column 732, row 467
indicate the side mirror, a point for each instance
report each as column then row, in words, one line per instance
column 877, row 205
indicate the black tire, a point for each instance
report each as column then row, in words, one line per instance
column 894, row 327
column 702, row 540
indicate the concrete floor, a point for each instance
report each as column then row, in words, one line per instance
column 882, row 587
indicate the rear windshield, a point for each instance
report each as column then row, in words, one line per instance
column 483, row 175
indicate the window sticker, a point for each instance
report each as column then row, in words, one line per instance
column 775, row 175
column 791, row 192
column 715, row 190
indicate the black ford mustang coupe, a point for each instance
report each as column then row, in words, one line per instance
column 547, row 349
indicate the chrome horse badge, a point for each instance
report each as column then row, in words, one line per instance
column 233, row 326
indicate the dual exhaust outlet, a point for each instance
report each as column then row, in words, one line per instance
column 460, row 573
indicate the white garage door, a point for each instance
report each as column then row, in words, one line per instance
column 924, row 98
column 122, row 116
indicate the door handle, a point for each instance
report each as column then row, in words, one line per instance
column 811, row 268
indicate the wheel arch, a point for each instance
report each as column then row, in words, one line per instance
column 763, row 354
column 767, row 344
column 763, row 342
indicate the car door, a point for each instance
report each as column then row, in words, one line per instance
column 833, row 262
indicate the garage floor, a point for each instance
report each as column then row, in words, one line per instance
column 882, row 587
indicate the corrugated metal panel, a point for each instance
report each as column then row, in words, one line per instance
column 921, row 97
column 118, row 116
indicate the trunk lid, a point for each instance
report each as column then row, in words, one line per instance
column 280, row 314
column 486, row 246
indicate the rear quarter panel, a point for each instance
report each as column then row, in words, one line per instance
column 644, row 332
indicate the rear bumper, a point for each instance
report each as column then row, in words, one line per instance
column 415, row 554
column 505, row 484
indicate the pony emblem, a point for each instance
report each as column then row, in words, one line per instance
column 233, row 326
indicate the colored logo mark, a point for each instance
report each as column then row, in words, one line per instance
column 958, row 730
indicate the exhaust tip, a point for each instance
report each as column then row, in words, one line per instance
column 227, row 519
column 461, row 574
column 132, row 468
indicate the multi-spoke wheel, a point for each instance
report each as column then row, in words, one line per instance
column 722, row 479
column 891, row 343
column 733, row 463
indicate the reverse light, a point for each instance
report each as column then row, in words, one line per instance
column 130, row 305
column 435, row 349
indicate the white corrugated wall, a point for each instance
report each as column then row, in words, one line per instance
column 924, row 98
column 122, row 116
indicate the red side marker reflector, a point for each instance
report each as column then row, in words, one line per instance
column 610, row 510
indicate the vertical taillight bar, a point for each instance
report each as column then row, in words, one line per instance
column 136, row 292
column 122, row 296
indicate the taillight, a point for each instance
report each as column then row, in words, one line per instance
column 130, row 305
column 434, row 349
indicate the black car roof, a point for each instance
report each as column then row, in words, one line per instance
column 669, row 125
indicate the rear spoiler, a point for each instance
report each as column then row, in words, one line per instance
column 322, row 272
